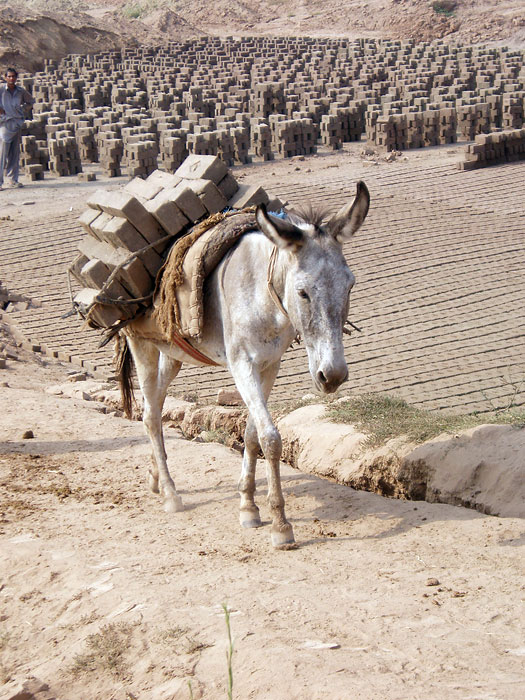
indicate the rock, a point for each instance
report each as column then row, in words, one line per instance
column 54, row 390
column 229, row 397
column 77, row 377
column 432, row 582
column 28, row 435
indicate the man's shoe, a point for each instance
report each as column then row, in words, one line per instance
column 16, row 185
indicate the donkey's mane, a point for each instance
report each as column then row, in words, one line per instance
column 310, row 214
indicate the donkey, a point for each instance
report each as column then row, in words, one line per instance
column 287, row 278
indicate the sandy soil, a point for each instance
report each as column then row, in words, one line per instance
column 106, row 596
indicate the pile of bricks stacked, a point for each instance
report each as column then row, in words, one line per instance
column 197, row 82
column 110, row 151
column 172, row 149
column 332, row 131
column 261, row 140
column 87, row 143
column 154, row 211
column 32, row 158
column 140, row 158
column 512, row 111
column 64, row 158
column 494, row 149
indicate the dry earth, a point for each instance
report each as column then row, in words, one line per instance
column 106, row 596
column 31, row 30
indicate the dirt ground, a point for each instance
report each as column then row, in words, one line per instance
column 106, row 596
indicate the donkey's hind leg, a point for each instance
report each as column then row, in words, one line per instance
column 155, row 372
column 249, row 512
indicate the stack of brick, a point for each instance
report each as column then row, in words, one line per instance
column 494, row 149
column 268, row 99
column 261, row 140
column 172, row 149
column 110, row 150
column 33, row 158
column 241, row 143
column 87, row 144
column 467, row 121
column 332, row 131
column 139, row 157
column 155, row 211
column 512, row 115
column 64, row 158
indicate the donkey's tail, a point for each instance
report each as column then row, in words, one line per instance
column 124, row 367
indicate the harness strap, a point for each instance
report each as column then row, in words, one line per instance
column 190, row 350
column 271, row 289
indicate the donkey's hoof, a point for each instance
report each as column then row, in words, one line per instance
column 283, row 539
column 250, row 518
column 173, row 504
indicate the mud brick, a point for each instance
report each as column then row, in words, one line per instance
column 163, row 179
column 167, row 213
column 124, row 204
column 97, row 199
column 98, row 224
column 87, row 218
column 95, row 273
column 104, row 316
column 133, row 275
column 209, row 194
column 248, row 195
column 228, row 186
column 120, row 233
column 197, row 167
column 87, row 177
column 142, row 189
column 187, row 201
column 76, row 267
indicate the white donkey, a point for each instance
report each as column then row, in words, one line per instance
column 255, row 304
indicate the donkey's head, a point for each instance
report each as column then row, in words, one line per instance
column 317, row 282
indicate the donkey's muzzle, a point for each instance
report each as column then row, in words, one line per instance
column 329, row 381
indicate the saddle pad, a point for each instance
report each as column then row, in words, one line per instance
column 179, row 301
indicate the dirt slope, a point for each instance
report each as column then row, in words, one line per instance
column 31, row 30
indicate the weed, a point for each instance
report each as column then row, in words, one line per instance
column 445, row 7
column 134, row 11
column 384, row 417
column 107, row 650
column 229, row 651
column 220, row 436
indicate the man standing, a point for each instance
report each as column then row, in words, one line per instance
column 15, row 103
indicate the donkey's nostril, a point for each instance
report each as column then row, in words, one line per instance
column 321, row 377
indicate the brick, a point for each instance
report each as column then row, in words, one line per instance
column 209, row 194
column 133, row 275
column 247, row 196
column 105, row 316
column 197, row 167
column 119, row 232
column 167, row 213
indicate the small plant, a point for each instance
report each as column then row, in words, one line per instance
column 229, row 651
column 134, row 11
column 445, row 7
column 107, row 650
column 220, row 436
column 384, row 417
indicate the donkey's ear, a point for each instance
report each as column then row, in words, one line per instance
column 281, row 232
column 347, row 221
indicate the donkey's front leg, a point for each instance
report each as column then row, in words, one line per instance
column 155, row 372
column 254, row 388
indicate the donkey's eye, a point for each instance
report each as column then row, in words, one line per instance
column 303, row 295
